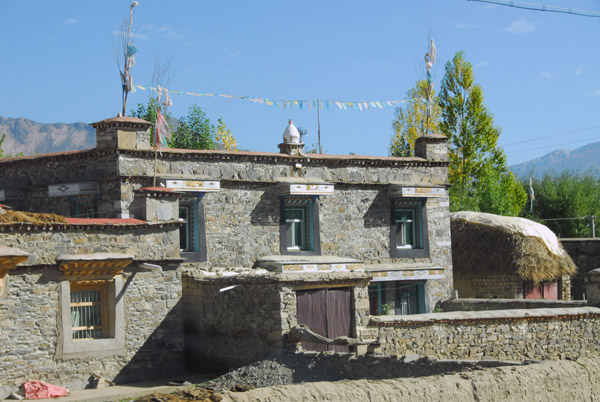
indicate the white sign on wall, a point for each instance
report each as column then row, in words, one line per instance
column 65, row 189
column 396, row 190
column 192, row 185
column 305, row 189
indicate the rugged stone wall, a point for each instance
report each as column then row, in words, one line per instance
column 505, row 335
column 507, row 304
column 489, row 286
column 586, row 255
column 29, row 330
column 45, row 243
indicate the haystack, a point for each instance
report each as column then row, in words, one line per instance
column 11, row 217
column 486, row 244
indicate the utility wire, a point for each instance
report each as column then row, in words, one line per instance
column 541, row 7
column 551, row 136
column 550, row 146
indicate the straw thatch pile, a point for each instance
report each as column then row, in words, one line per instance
column 480, row 250
column 10, row 217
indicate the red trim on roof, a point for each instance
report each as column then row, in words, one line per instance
column 157, row 189
column 104, row 221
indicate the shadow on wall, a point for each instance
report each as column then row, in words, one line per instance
column 266, row 211
column 378, row 213
column 161, row 355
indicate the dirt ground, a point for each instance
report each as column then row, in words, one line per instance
column 550, row 380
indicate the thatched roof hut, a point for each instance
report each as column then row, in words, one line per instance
column 486, row 244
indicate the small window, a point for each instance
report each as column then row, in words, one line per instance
column 192, row 235
column 408, row 229
column 397, row 297
column 89, row 311
column 299, row 226
column 405, row 228
column 185, row 234
column 84, row 206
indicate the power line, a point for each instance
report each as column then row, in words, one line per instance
column 550, row 146
column 554, row 135
column 541, row 7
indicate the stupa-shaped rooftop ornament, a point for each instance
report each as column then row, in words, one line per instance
column 291, row 141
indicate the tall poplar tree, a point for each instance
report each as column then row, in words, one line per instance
column 478, row 171
column 411, row 121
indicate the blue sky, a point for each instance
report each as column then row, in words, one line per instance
column 539, row 70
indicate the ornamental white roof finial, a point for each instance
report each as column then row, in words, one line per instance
column 291, row 134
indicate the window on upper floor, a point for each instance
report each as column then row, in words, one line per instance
column 299, row 225
column 192, row 235
column 408, row 229
column 84, row 206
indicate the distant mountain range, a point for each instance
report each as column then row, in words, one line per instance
column 30, row 137
column 581, row 159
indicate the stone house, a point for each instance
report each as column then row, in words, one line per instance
column 193, row 252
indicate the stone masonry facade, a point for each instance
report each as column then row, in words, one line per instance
column 241, row 223
column 30, row 312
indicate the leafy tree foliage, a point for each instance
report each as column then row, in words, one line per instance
column 566, row 195
column 2, row 155
column 478, row 171
column 195, row 131
column 411, row 121
column 225, row 140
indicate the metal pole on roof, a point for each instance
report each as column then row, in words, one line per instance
column 319, row 125
column 593, row 224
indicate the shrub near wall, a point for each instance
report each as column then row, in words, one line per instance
column 504, row 335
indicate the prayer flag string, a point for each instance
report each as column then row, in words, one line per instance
column 291, row 103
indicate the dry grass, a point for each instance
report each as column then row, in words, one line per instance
column 483, row 250
column 10, row 217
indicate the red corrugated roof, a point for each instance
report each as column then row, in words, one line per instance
column 157, row 189
column 104, row 221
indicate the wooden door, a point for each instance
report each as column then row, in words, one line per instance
column 543, row 290
column 327, row 312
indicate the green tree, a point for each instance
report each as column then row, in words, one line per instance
column 411, row 121
column 478, row 171
column 195, row 131
column 572, row 197
column 1, row 142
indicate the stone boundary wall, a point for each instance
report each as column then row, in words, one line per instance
column 541, row 334
column 586, row 255
column 45, row 243
column 507, row 304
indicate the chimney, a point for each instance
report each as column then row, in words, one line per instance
column 123, row 133
column 433, row 147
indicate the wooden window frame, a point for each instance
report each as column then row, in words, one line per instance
column 102, row 288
